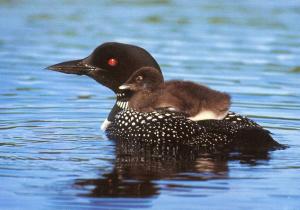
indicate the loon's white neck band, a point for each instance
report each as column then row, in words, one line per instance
column 122, row 104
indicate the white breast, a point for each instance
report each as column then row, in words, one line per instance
column 105, row 124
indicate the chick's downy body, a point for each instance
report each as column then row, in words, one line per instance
column 151, row 93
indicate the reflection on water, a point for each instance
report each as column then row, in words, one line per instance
column 138, row 166
column 53, row 154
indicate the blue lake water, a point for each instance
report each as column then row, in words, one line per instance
column 53, row 154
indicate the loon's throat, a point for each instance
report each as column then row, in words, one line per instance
column 120, row 105
column 124, row 95
column 123, row 98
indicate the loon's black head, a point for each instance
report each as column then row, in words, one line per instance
column 110, row 64
column 145, row 78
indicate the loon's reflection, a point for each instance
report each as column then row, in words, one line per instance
column 137, row 167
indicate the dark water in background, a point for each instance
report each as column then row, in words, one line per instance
column 52, row 152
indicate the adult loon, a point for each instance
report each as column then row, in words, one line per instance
column 150, row 93
column 112, row 63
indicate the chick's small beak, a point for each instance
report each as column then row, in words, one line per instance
column 125, row 87
column 73, row 67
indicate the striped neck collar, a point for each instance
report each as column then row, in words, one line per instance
column 122, row 99
column 122, row 104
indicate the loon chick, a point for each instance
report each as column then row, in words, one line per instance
column 197, row 102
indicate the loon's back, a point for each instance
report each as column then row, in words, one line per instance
column 163, row 128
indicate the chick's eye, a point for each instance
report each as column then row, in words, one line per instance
column 139, row 78
column 112, row 62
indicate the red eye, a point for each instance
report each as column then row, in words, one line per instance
column 112, row 62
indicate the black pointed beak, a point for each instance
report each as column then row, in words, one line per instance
column 73, row 67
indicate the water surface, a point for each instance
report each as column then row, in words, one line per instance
column 53, row 154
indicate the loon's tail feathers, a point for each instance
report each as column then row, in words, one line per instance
column 255, row 139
